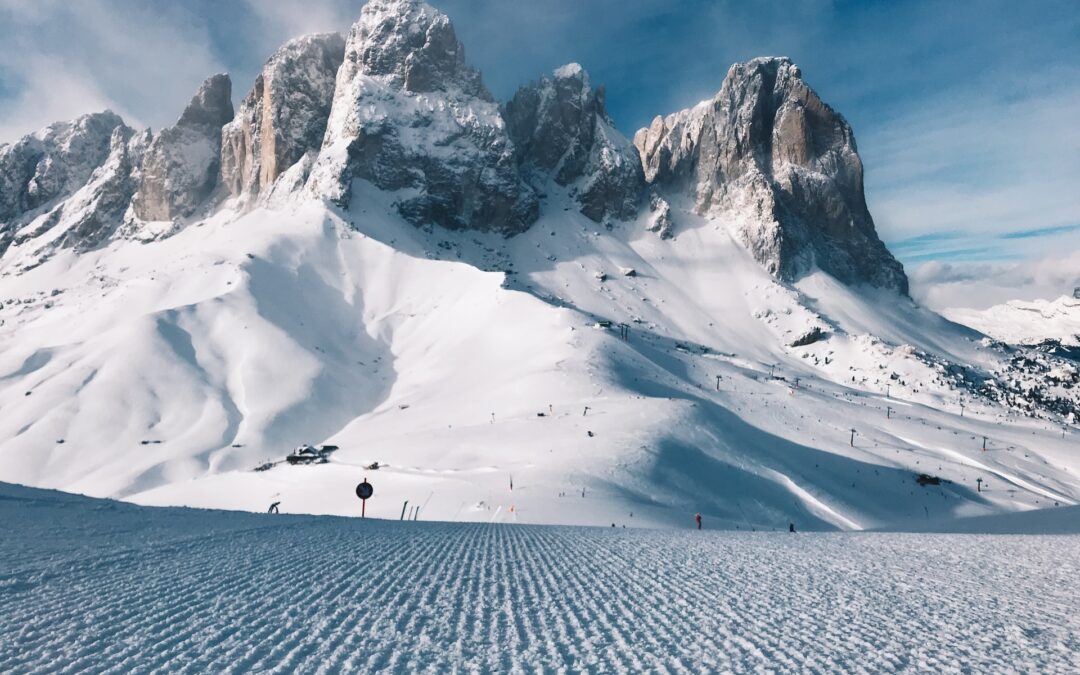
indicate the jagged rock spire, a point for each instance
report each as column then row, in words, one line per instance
column 284, row 116
column 45, row 167
column 409, row 114
column 561, row 129
column 768, row 147
column 412, row 45
column 180, row 168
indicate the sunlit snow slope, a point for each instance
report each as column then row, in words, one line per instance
column 1018, row 321
column 466, row 363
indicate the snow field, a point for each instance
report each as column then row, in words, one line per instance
column 108, row 587
column 164, row 373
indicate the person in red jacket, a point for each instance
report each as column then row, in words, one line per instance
column 697, row 518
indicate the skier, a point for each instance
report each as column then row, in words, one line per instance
column 697, row 519
column 273, row 508
column 791, row 528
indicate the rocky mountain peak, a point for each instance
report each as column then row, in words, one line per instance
column 42, row 168
column 53, row 162
column 413, row 45
column 561, row 130
column 769, row 149
column 211, row 106
column 409, row 115
column 284, row 115
column 180, row 168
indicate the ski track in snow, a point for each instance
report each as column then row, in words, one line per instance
column 90, row 586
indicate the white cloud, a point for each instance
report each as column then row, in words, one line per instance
column 285, row 19
column 143, row 61
column 941, row 285
column 53, row 92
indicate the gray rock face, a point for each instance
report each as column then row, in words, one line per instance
column 768, row 147
column 181, row 166
column 284, row 116
column 660, row 220
column 562, row 130
column 409, row 115
column 93, row 213
column 412, row 46
column 47, row 166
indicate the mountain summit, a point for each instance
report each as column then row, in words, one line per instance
column 769, row 153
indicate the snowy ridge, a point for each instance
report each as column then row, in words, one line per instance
column 1021, row 322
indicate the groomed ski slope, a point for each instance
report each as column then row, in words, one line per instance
column 101, row 586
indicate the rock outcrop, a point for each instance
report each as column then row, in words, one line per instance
column 768, row 150
column 283, row 117
column 562, row 131
column 181, row 167
column 43, row 168
column 409, row 115
column 87, row 219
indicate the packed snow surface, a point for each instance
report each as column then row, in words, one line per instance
column 91, row 585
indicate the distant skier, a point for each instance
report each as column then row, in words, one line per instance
column 791, row 528
column 697, row 519
column 273, row 508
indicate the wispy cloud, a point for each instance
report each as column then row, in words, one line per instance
column 941, row 285
column 143, row 60
column 1042, row 232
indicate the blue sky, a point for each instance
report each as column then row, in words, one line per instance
column 965, row 112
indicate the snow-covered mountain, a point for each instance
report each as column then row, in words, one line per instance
column 497, row 312
column 1023, row 322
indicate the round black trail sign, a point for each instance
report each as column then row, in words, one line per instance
column 364, row 490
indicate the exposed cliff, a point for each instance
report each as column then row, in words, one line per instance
column 283, row 117
column 409, row 115
column 767, row 151
column 562, row 130
column 181, row 166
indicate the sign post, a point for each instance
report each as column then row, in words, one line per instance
column 364, row 491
